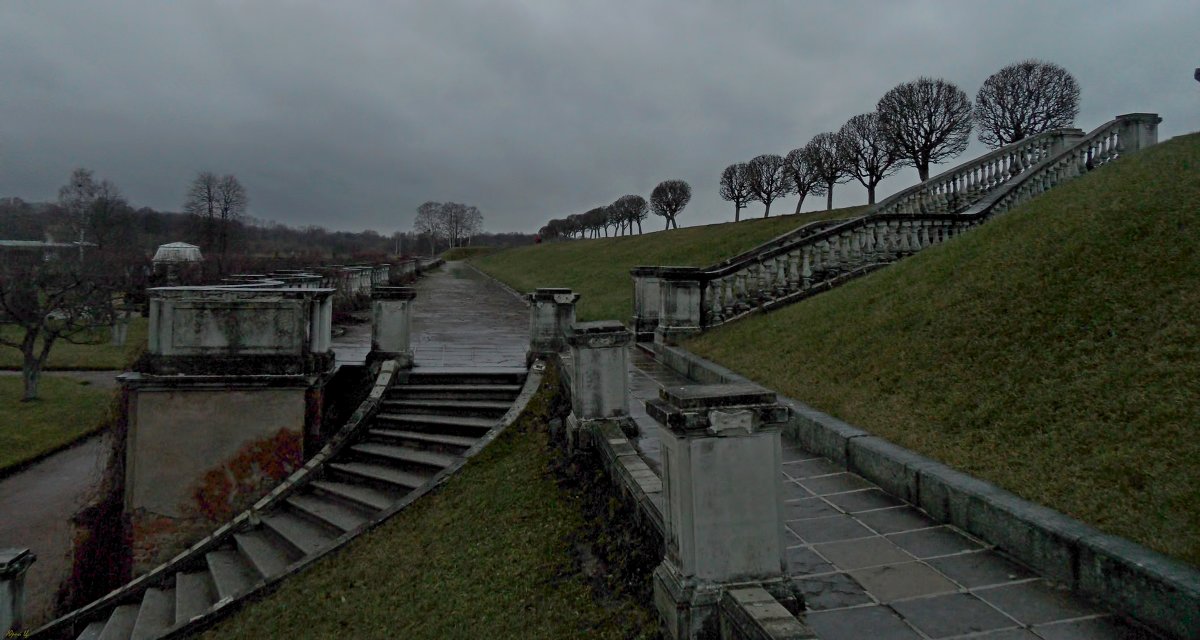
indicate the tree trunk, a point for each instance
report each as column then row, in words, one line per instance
column 667, row 227
column 923, row 171
column 737, row 212
column 639, row 227
column 799, row 203
column 674, row 222
column 829, row 198
column 767, row 211
column 871, row 194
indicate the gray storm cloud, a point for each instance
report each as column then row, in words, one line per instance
column 349, row 115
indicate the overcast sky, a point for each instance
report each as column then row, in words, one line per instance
column 350, row 114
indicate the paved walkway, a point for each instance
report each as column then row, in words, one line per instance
column 464, row 319
column 35, row 510
column 872, row 566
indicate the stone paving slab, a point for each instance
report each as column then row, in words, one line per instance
column 874, row 566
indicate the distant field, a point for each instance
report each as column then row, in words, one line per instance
column 67, row 409
column 462, row 253
column 97, row 356
column 1054, row 351
column 599, row 269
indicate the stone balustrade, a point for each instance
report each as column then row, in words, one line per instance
column 551, row 315
column 672, row 302
column 13, row 565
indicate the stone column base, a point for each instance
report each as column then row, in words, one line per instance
column 672, row 335
column 404, row 359
column 689, row 610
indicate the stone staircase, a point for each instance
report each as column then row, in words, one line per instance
column 410, row 433
column 679, row 301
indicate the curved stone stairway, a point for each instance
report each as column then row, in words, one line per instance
column 411, row 433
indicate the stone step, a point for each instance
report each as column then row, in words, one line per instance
column 467, row 408
column 369, row 497
column 405, row 458
column 452, row 425
column 232, row 574
column 451, row 444
column 380, row 473
column 194, row 594
column 502, row 392
column 467, row 375
column 156, row 614
column 268, row 555
column 307, row 537
column 329, row 510
column 92, row 631
column 120, row 623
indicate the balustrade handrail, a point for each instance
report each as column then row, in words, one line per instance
column 759, row 252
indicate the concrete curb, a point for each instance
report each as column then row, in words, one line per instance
column 1156, row 590
column 519, row 296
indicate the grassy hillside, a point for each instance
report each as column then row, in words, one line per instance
column 599, row 269
column 490, row 555
column 1054, row 351
column 95, row 354
column 65, row 411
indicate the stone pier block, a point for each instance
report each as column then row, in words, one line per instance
column 600, row 361
column 391, row 324
column 13, row 565
column 646, row 302
column 1138, row 131
column 679, row 291
column 723, row 509
column 551, row 314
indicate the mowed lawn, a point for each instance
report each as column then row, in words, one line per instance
column 1054, row 351
column 599, row 268
column 67, row 410
column 490, row 555
column 97, row 354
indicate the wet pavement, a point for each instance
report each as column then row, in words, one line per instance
column 462, row 318
column 872, row 566
column 36, row 506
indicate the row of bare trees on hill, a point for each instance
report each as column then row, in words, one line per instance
column 918, row 124
column 667, row 201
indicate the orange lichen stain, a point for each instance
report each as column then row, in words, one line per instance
column 238, row 482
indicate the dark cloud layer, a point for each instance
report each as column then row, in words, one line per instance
column 349, row 115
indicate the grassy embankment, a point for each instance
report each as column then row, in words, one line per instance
column 1054, row 351
column 599, row 269
column 463, row 253
column 66, row 411
column 490, row 555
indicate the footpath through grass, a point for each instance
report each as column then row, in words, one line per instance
column 67, row 410
column 487, row 556
column 599, row 269
column 93, row 357
column 1054, row 351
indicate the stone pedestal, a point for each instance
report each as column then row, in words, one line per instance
column 723, row 509
column 391, row 324
column 1138, row 131
column 679, row 304
column 599, row 366
column 646, row 302
column 13, row 565
column 551, row 314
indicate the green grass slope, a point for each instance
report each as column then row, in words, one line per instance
column 65, row 411
column 599, row 269
column 1054, row 351
column 490, row 555
column 95, row 354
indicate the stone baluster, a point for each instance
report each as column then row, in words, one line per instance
column 551, row 314
column 391, row 324
column 782, row 286
column 720, row 444
column 13, row 565
column 741, row 296
column 806, row 266
column 793, row 274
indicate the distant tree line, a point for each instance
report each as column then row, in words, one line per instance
column 449, row 222
column 667, row 201
column 918, row 124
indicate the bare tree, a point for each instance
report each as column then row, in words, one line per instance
column 870, row 156
column 768, row 180
column 595, row 220
column 927, row 121
column 826, row 154
column 632, row 208
column 231, row 207
column 201, row 202
column 1025, row 99
column 735, row 187
column 805, row 181
column 668, row 199
column 427, row 222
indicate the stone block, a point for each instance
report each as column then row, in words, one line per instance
column 391, row 323
column 14, row 562
column 599, row 361
column 890, row 466
column 1159, row 591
